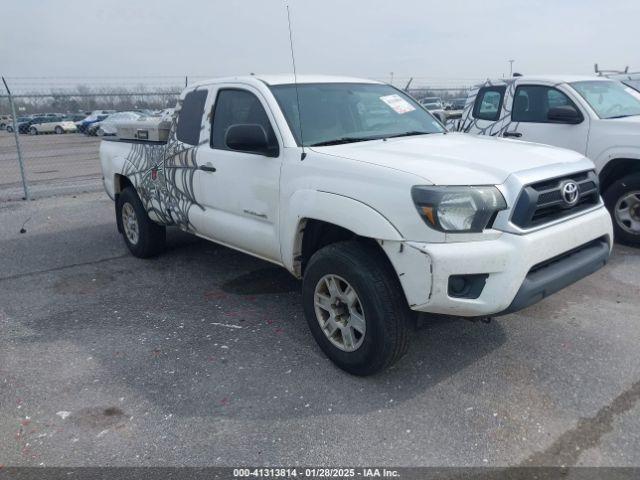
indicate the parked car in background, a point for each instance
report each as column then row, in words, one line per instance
column 82, row 125
column 108, row 125
column 75, row 117
column 24, row 123
column 4, row 121
column 92, row 130
column 595, row 116
column 101, row 112
column 432, row 103
column 51, row 124
column 435, row 106
column 456, row 104
column 19, row 121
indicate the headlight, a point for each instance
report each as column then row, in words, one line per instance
column 458, row 209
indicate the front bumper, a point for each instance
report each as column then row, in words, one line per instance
column 560, row 272
column 508, row 260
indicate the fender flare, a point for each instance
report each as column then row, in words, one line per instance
column 615, row 153
column 337, row 209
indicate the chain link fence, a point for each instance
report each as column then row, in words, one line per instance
column 55, row 148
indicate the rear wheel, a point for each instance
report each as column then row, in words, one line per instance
column 355, row 307
column 33, row 131
column 59, row 130
column 623, row 201
column 9, row 129
column 143, row 236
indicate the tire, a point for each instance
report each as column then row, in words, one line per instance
column 33, row 131
column 623, row 202
column 9, row 129
column 150, row 237
column 383, row 308
column 59, row 130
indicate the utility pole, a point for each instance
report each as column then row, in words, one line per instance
column 406, row 88
column 391, row 81
column 511, row 68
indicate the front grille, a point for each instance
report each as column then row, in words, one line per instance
column 543, row 202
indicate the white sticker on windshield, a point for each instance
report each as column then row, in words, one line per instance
column 397, row 103
column 633, row 92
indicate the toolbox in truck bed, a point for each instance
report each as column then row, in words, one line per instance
column 152, row 129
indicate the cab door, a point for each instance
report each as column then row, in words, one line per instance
column 238, row 177
column 530, row 119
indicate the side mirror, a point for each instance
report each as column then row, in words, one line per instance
column 564, row 114
column 249, row 137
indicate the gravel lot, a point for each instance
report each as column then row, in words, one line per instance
column 202, row 357
column 53, row 164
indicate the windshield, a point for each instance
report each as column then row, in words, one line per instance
column 633, row 83
column 333, row 113
column 609, row 99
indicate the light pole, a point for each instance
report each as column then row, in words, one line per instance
column 511, row 68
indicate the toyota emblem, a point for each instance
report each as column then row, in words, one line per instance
column 570, row 193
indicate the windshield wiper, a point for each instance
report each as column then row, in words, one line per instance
column 408, row 134
column 341, row 140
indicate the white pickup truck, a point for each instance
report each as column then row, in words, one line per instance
column 352, row 186
column 595, row 116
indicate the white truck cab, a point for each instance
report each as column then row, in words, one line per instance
column 595, row 116
column 356, row 189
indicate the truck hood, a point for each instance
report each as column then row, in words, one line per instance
column 633, row 119
column 454, row 158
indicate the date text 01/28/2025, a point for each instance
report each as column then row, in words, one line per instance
column 314, row 473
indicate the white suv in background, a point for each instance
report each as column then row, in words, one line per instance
column 595, row 116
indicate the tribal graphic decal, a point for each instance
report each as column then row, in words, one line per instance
column 163, row 176
column 468, row 124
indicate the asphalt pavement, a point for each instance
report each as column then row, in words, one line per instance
column 202, row 357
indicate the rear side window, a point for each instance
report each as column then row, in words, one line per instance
column 234, row 106
column 531, row 103
column 488, row 103
column 190, row 117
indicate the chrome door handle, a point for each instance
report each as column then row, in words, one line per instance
column 207, row 168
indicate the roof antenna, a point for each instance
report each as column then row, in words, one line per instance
column 295, row 82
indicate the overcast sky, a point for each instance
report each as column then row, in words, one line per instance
column 445, row 39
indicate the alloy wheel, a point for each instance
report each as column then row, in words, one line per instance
column 339, row 312
column 130, row 223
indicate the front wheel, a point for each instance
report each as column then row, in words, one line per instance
column 143, row 236
column 623, row 201
column 355, row 307
column 9, row 129
column 59, row 130
column 33, row 131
